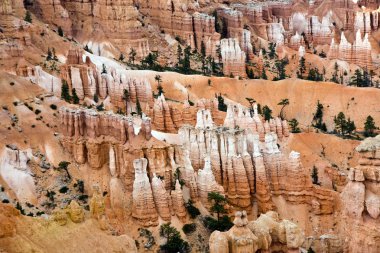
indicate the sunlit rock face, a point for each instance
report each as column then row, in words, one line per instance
column 358, row 53
column 265, row 233
column 16, row 172
column 361, row 198
column 242, row 160
column 104, row 26
column 233, row 58
column 144, row 209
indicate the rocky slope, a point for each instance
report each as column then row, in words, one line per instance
column 102, row 141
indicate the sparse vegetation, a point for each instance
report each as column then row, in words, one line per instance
column 132, row 56
column 221, row 105
column 74, row 97
column 100, row 107
column 342, row 126
column 191, row 209
column 314, row 176
column 219, row 201
column 174, row 242
column 53, row 107
column 267, row 112
column 64, row 189
column 284, row 102
column 28, row 17
column 189, row 228
column 65, row 94
column 63, row 165
column 318, row 118
column 369, row 127
column 60, row 31
column 160, row 89
column 293, row 123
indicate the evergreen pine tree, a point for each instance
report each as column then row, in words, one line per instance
column 369, row 127
column 49, row 56
column 65, row 94
column 357, row 79
column 121, row 57
column 203, row 54
column 104, row 69
column 301, row 68
column 264, row 74
column 221, row 105
column 318, row 118
column 28, row 17
column 314, row 176
column 60, row 31
column 138, row 107
column 75, row 97
column 132, row 56
column 55, row 58
column 179, row 54
column 335, row 73
column 294, row 126
column 267, row 112
column 186, row 60
column 272, row 50
column 126, row 99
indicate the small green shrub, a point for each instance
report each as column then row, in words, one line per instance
column 83, row 197
column 212, row 224
column 189, row 228
column 192, row 210
column 53, row 107
column 64, row 189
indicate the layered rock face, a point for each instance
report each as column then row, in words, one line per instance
column 358, row 53
column 233, row 19
column 243, row 158
column 88, row 135
column 89, row 79
column 180, row 18
column 98, row 139
column 204, row 32
column 361, row 198
column 267, row 233
column 143, row 208
column 114, row 21
column 89, row 124
column 173, row 17
column 151, row 199
column 167, row 118
column 15, row 171
column 233, row 58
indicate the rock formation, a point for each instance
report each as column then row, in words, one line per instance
column 89, row 79
column 233, row 58
column 15, row 171
column 264, row 234
column 178, row 202
column 97, row 204
column 76, row 213
column 160, row 197
column 144, row 209
column 204, row 32
column 168, row 118
column 359, row 53
column 250, row 168
column 116, row 22
column 361, row 199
